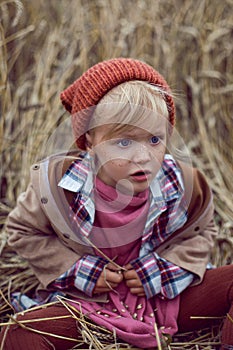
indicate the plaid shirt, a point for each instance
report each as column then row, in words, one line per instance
column 166, row 214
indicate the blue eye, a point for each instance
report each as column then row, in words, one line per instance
column 154, row 140
column 124, row 142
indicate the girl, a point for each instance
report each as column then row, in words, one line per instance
column 119, row 227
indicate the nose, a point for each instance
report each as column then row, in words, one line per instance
column 141, row 154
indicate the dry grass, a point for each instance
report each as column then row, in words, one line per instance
column 44, row 45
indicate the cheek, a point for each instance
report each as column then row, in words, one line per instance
column 117, row 164
column 110, row 159
column 161, row 155
column 158, row 157
column 102, row 157
column 120, row 163
column 160, row 152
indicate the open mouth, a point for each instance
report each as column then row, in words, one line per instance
column 141, row 172
column 140, row 175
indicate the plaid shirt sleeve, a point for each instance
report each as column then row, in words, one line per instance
column 83, row 275
column 160, row 276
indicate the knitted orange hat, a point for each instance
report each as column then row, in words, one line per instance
column 87, row 90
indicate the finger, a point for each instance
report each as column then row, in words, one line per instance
column 141, row 294
column 104, row 281
column 114, row 268
column 98, row 290
column 138, row 291
column 112, row 276
column 105, row 284
column 133, row 283
column 131, row 274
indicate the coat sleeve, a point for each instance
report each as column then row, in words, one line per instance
column 192, row 245
column 33, row 238
column 192, row 251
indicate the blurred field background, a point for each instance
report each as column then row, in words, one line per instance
column 45, row 45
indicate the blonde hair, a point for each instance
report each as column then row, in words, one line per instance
column 129, row 104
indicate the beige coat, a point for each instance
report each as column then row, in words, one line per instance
column 40, row 231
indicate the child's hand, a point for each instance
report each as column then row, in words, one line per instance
column 133, row 281
column 109, row 279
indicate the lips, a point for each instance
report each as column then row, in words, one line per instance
column 140, row 176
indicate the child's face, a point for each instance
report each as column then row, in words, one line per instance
column 131, row 158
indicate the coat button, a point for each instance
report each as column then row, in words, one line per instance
column 197, row 228
column 36, row 167
column 44, row 200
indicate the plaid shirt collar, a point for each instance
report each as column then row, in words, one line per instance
column 166, row 186
column 79, row 178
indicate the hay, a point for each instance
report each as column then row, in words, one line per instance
column 17, row 276
column 96, row 337
column 44, row 45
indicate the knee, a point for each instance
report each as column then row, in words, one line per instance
column 229, row 268
column 16, row 337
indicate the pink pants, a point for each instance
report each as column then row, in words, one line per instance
column 213, row 297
